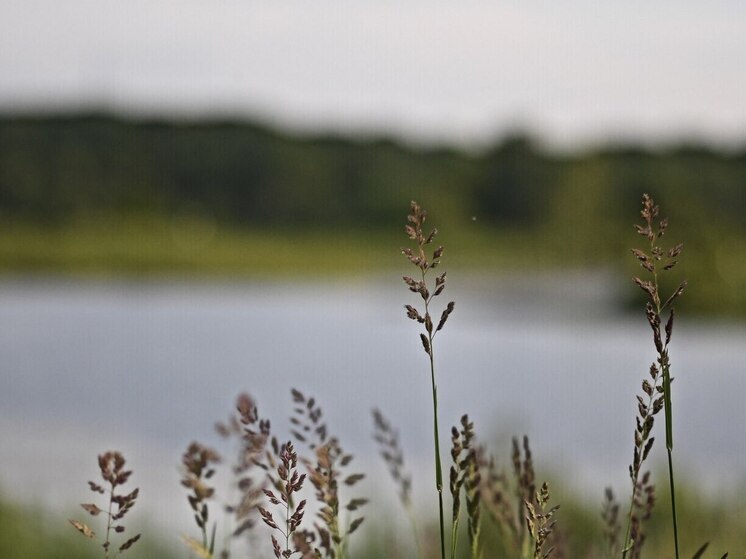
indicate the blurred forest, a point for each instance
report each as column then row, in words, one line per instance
column 59, row 174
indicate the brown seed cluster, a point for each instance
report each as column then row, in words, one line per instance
column 308, row 427
column 655, row 260
column 111, row 464
column 497, row 497
column 290, row 483
column 657, row 390
column 326, row 475
column 515, row 506
column 250, row 469
column 302, row 541
column 513, row 503
column 648, row 406
column 198, row 463
column 418, row 257
column 465, row 474
column 523, row 470
column 611, row 526
column 326, row 471
column 540, row 522
column 643, row 501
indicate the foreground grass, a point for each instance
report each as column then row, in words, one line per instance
column 721, row 522
column 29, row 533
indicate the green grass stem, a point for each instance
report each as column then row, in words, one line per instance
column 436, row 434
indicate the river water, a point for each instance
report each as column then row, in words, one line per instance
column 146, row 367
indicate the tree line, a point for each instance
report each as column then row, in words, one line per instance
column 53, row 168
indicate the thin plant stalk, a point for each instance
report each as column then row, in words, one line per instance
column 475, row 551
column 673, row 503
column 667, row 410
column 438, row 467
column 627, row 542
column 109, row 521
column 418, row 258
column 454, row 537
column 654, row 309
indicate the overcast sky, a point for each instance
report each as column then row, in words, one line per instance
column 462, row 71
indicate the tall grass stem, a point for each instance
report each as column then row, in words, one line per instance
column 438, row 468
column 673, row 504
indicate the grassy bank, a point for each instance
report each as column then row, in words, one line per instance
column 160, row 247
column 31, row 533
column 111, row 245
column 150, row 246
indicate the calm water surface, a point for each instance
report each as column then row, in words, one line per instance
column 148, row 367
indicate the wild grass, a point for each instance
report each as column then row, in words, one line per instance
column 419, row 259
column 299, row 498
column 117, row 506
column 658, row 392
column 32, row 532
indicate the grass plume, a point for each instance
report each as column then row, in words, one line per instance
column 654, row 260
column 290, row 483
column 111, row 464
column 250, row 470
column 327, row 472
column 419, row 259
column 198, row 462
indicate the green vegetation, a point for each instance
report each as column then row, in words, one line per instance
column 30, row 533
column 95, row 194
column 27, row 534
column 154, row 246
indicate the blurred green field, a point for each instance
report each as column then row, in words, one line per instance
column 150, row 246
column 159, row 248
column 30, row 533
column 153, row 245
